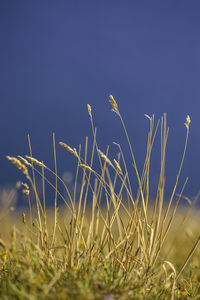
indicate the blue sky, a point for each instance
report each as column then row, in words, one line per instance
column 57, row 56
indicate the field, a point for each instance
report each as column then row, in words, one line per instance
column 107, row 240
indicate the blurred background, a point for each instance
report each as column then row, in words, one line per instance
column 57, row 56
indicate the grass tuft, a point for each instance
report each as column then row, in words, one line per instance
column 109, row 240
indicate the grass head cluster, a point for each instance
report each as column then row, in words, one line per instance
column 110, row 240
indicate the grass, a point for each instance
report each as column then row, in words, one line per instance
column 108, row 240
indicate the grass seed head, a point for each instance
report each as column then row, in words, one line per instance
column 24, row 218
column 85, row 167
column 107, row 160
column 35, row 161
column 26, row 190
column 25, row 185
column 114, row 105
column 89, row 110
column 188, row 121
column 119, row 170
column 18, row 164
column 24, row 161
column 68, row 148
column 13, row 234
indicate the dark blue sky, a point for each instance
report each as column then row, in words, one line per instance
column 57, row 56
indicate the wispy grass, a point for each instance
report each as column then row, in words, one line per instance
column 110, row 239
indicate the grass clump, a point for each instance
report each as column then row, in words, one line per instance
column 109, row 241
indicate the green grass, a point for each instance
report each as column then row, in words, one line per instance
column 108, row 239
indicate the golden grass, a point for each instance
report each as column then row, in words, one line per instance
column 107, row 235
